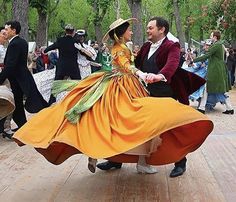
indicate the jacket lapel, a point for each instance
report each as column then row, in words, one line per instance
column 8, row 46
column 146, row 50
column 161, row 47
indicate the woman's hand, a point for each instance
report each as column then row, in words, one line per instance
column 141, row 75
column 78, row 46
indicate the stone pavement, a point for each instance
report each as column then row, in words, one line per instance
column 25, row 176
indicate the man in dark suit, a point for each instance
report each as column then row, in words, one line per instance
column 159, row 58
column 16, row 71
column 67, row 65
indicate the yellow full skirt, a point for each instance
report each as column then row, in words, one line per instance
column 122, row 119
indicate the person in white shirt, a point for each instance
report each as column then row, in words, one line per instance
column 5, row 123
column 2, row 47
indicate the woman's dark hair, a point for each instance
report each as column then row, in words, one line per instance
column 119, row 31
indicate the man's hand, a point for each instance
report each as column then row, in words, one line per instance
column 152, row 78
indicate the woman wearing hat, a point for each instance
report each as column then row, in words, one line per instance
column 110, row 115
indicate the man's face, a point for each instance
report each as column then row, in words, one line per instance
column 2, row 36
column 213, row 38
column 154, row 33
column 9, row 32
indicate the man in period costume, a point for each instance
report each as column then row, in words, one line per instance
column 159, row 58
column 67, row 62
column 16, row 71
column 67, row 65
column 217, row 76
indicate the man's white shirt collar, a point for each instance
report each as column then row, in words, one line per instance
column 13, row 38
column 154, row 47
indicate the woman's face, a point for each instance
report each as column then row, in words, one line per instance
column 128, row 34
column 2, row 36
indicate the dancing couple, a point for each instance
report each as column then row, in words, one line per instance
column 113, row 115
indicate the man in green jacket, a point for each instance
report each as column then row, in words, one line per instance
column 217, row 78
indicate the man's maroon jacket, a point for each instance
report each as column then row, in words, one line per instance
column 182, row 82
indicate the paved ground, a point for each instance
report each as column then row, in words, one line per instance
column 25, row 176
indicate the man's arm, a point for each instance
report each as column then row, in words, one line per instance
column 170, row 67
column 209, row 53
column 203, row 57
column 10, row 65
column 172, row 62
column 52, row 47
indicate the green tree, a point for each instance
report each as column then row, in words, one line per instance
column 45, row 10
column 100, row 8
column 5, row 11
column 178, row 23
column 223, row 17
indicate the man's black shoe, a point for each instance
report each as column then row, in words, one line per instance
column 228, row 112
column 201, row 110
column 109, row 165
column 177, row 171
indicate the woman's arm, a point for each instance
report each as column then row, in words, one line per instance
column 123, row 61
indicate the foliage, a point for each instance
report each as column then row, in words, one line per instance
column 100, row 8
column 40, row 5
column 199, row 16
column 223, row 17
column 6, row 8
column 75, row 12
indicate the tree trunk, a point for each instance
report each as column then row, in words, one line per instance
column 171, row 17
column 117, row 8
column 136, row 10
column 233, row 44
column 178, row 24
column 100, row 13
column 20, row 13
column 98, row 32
column 51, row 14
column 41, row 37
column 187, row 32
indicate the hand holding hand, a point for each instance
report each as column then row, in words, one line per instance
column 152, row 78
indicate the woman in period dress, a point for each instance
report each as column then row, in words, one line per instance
column 110, row 115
